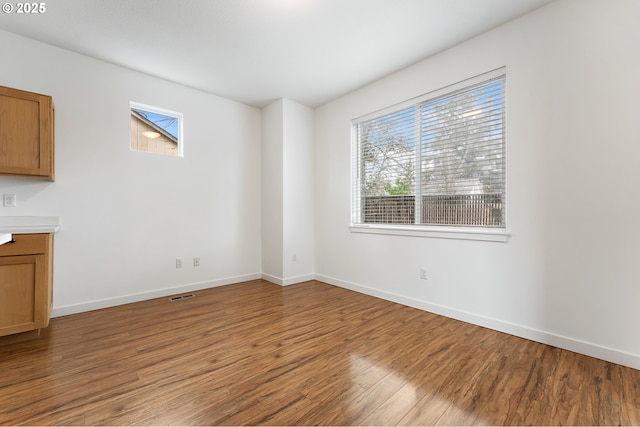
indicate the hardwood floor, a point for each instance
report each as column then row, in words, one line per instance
column 307, row 354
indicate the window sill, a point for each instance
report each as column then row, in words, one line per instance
column 463, row 233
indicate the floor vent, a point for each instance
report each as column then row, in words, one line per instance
column 181, row 297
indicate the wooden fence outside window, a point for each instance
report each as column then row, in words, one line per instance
column 452, row 209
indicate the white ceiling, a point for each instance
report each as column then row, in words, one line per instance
column 255, row 51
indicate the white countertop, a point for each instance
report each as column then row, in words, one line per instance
column 29, row 224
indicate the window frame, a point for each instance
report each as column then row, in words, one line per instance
column 165, row 112
column 465, row 232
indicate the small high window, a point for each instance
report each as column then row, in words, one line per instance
column 155, row 130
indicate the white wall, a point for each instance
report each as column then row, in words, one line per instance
column 568, row 276
column 299, row 185
column 126, row 216
column 287, row 192
column 272, row 190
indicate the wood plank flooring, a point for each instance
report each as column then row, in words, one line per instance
column 308, row 354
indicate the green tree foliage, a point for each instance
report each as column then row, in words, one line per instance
column 400, row 188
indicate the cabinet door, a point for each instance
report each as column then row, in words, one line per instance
column 20, row 296
column 26, row 133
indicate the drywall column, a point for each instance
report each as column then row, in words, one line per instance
column 287, row 192
column 298, row 173
column 272, row 191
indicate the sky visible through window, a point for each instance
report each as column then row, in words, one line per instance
column 167, row 123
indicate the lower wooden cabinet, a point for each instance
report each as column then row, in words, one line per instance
column 26, row 275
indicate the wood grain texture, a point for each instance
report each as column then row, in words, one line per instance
column 26, row 284
column 307, row 354
column 26, row 134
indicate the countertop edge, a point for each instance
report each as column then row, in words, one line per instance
column 29, row 224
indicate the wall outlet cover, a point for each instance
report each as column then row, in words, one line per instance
column 9, row 200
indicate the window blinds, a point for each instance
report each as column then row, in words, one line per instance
column 438, row 161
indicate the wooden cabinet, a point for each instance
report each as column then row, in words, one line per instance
column 26, row 275
column 26, row 134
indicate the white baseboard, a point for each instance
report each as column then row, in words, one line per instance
column 142, row 296
column 571, row 344
column 566, row 343
column 289, row 280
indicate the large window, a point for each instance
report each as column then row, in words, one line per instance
column 438, row 160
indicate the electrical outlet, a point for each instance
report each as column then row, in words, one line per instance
column 196, row 262
column 294, row 257
column 9, row 200
column 423, row 273
column 178, row 263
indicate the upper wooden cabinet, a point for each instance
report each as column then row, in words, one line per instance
column 26, row 134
